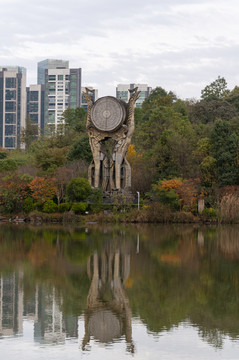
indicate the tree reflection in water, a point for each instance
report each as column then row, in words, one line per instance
column 54, row 275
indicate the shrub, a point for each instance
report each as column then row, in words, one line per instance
column 50, row 207
column 28, row 205
column 96, row 201
column 78, row 189
column 79, row 208
column 3, row 154
column 7, row 165
column 38, row 206
column 63, row 207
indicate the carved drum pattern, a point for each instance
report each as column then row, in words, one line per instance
column 108, row 113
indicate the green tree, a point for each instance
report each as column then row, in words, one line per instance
column 217, row 90
column 78, row 189
column 80, row 149
column 233, row 98
column 204, row 112
column 225, row 149
column 30, row 133
column 167, row 139
column 75, row 119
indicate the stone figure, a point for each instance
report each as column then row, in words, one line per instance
column 110, row 126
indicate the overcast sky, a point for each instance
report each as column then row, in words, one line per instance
column 180, row 45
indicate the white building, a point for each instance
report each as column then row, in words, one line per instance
column 62, row 89
column 122, row 92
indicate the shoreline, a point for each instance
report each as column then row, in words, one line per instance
column 101, row 218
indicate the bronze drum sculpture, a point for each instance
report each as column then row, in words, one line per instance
column 110, row 126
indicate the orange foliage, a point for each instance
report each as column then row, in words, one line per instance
column 14, row 185
column 41, row 253
column 42, row 188
column 171, row 184
column 188, row 193
column 171, row 259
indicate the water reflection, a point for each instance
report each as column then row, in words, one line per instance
column 105, row 278
column 108, row 314
column 11, row 304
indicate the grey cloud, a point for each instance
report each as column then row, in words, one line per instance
column 80, row 24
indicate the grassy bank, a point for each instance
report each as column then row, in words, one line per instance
column 156, row 212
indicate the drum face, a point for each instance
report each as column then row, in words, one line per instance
column 108, row 114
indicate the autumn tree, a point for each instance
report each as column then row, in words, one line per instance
column 189, row 192
column 14, row 189
column 43, row 189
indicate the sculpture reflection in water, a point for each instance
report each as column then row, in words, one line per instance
column 108, row 314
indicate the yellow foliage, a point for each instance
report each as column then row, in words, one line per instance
column 131, row 154
column 129, row 283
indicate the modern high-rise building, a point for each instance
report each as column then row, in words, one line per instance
column 62, row 89
column 12, row 105
column 94, row 94
column 122, row 92
column 35, row 106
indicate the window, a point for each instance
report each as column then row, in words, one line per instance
column 10, row 95
column 33, row 107
column 52, row 85
column 10, row 130
column 33, row 96
column 51, row 113
column 34, row 118
column 10, row 118
column 66, row 77
column 10, row 142
column 10, row 83
column 73, row 84
column 10, row 106
column 52, row 78
column 60, row 77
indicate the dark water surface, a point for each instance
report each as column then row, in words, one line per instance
column 115, row 292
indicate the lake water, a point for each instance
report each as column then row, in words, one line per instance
column 119, row 292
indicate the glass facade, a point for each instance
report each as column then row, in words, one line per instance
column 62, row 89
column 35, row 101
column 123, row 92
column 12, row 105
